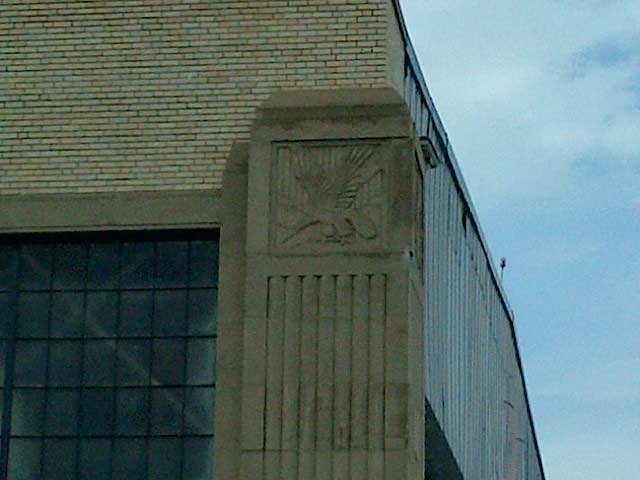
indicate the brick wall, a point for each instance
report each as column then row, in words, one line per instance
column 150, row 94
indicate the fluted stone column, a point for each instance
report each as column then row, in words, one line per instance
column 332, row 349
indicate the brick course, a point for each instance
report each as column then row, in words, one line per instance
column 151, row 94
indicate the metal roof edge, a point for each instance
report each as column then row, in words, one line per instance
column 459, row 179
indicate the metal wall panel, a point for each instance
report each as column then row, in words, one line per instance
column 473, row 378
column 473, row 372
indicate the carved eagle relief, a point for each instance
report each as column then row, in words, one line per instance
column 330, row 195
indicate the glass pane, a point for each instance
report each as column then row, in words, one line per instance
column 137, row 265
column 62, row 412
column 24, row 459
column 3, row 352
column 132, row 411
column 104, row 260
column 198, row 459
column 198, row 412
column 33, row 315
column 164, row 458
column 168, row 362
column 70, row 267
column 97, row 412
column 67, row 313
column 204, row 264
column 31, row 363
column 134, row 359
column 95, row 459
column 7, row 312
column 136, row 312
column 8, row 267
column 102, row 314
column 59, row 459
column 171, row 264
column 201, row 360
column 170, row 313
column 1, row 405
column 166, row 411
column 35, row 266
column 99, row 362
column 65, row 362
column 130, row 458
column 203, row 309
column 27, row 413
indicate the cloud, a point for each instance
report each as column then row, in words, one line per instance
column 607, row 53
column 519, row 116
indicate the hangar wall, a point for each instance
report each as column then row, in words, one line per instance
column 151, row 95
column 108, row 107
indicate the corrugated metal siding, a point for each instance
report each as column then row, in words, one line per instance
column 473, row 372
column 473, row 382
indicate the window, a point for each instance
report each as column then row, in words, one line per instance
column 107, row 356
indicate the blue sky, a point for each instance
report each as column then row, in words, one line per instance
column 541, row 100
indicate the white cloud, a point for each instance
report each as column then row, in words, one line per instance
column 517, row 113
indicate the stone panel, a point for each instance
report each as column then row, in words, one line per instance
column 329, row 197
column 332, row 353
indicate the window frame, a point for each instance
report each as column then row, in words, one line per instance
column 86, row 238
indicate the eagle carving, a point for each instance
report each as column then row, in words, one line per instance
column 330, row 195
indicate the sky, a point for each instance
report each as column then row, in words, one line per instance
column 541, row 101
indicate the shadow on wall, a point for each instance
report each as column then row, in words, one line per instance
column 440, row 463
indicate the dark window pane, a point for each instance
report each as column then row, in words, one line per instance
column 171, row 264
column 198, row 412
column 130, row 458
column 33, row 315
column 198, row 458
column 95, row 459
column 35, row 266
column 97, row 412
column 164, row 458
column 24, row 459
column 7, row 314
column 59, row 459
column 31, row 363
column 98, row 385
column 168, row 362
column 103, row 265
column 70, row 266
column 201, row 358
column 62, row 412
column 204, row 264
column 99, row 362
column 203, row 312
column 134, row 360
column 137, row 265
column 8, row 267
column 65, row 362
column 27, row 413
column 1, row 405
column 132, row 411
column 170, row 313
column 136, row 312
column 3, row 352
column 102, row 314
column 166, row 411
column 67, row 313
